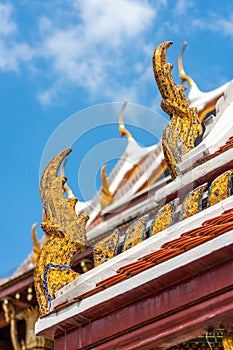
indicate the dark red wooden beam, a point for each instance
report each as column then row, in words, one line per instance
column 175, row 307
column 16, row 285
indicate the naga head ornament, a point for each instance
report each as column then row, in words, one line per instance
column 184, row 128
column 66, row 232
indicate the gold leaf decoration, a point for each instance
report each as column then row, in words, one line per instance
column 227, row 341
column 192, row 203
column 163, row 218
column 36, row 244
column 220, row 188
column 107, row 197
column 66, row 235
column 135, row 233
column 106, row 249
column 184, row 127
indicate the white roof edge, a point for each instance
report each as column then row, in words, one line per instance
column 134, row 282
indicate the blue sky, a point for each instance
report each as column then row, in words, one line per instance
column 59, row 57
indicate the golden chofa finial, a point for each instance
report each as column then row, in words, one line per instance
column 183, row 76
column 123, row 131
column 107, row 197
column 36, row 244
column 66, row 188
column 184, row 127
column 66, row 235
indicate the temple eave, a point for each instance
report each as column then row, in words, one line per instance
column 182, row 303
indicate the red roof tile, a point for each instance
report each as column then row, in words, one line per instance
column 228, row 145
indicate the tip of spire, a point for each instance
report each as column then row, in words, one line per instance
column 105, row 184
column 67, row 189
column 107, row 197
column 183, row 76
column 123, row 130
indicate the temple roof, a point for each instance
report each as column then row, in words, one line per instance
column 204, row 101
column 151, row 236
column 177, row 246
column 137, row 167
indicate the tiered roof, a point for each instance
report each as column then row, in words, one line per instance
column 181, row 238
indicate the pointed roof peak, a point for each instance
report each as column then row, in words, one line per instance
column 107, row 197
column 66, row 187
column 183, row 76
column 123, row 130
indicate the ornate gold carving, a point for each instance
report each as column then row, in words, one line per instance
column 59, row 212
column 106, row 249
column 10, row 316
column 107, row 197
column 67, row 189
column 163, row 218
column 220, row 188
column 30, row 316
column 135, row 233
column 184, row 127
column 227, row 341
column 183, row 76
column 123, row 131
column 36, row 244
column 192, row 203
column 66, row 233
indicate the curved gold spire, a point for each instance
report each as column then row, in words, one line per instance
column 174, row 101
column 123, row 131
column 59, row 211
column 184, row 128
column 36, row 244
column 107, row 196
column 67, row 235
column 67, row 189
column 183, row 76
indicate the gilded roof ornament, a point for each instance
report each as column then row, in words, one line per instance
column 66, row 187
column 59, row 210
column 66, row 235
column 183, row 76
column 36, row 244
column 107, row 197
column 123, row 130
column 184, row 127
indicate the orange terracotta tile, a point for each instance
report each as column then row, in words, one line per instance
column 139, row 268
column 223, row 228
column 224, row 218
column 194, row 242
column 200, row 231
column 91, row 292
column 152, row 257
column 169, row 254
column 176, row 243
column 108, row 282
column 133, row 266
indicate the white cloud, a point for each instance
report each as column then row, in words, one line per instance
column 110, row 22
column 224, row 26
column 12, row 52
column 90, row 52
column 7, row 25
column 100, row 47
column 11, row 57
column 182, row 6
